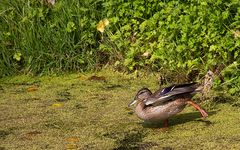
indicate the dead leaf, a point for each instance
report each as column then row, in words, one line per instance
column 106, row 22
column 57, row 105
column 72, row 139
column 97, row 78
column 30, row 135
column 146, row 54
column 102, row 24
column 82, row 77
column 32, row 88
column 236, row 34
column 52, row 2
column 71, row 146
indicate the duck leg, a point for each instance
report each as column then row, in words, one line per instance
column 203, row 112
column 165, row 123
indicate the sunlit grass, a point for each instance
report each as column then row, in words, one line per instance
column 40, row 38
column 78, row 111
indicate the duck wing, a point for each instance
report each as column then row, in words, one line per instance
column 171, row 92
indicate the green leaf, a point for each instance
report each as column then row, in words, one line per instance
column 225, row 14
column 70, row 27
column 17, row 56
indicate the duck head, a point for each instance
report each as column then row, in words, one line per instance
column 141, row 95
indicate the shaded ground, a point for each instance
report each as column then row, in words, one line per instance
column 90, row 112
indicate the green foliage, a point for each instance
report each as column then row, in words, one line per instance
column 232, row 76
column 49, row 38
column 187, row 35
column 168, row 35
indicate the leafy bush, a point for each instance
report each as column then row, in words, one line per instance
column 232, row 77
column 185, row 37
column 189, row 34
column 177, row 35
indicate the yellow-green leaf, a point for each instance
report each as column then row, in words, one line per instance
column 17, row 56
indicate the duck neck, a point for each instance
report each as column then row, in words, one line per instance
column 140, row 110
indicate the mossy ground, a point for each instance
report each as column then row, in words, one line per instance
column 90, row 112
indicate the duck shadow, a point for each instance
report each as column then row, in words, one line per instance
column 181, row 119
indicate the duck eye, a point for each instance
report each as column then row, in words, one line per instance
column 143, row 92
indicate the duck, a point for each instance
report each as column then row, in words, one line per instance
column 166, row 102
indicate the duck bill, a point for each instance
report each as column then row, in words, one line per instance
column 132, row 103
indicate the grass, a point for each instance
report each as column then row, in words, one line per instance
column 89, row 111
column 67, row 32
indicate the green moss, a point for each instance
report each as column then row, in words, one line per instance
column 94, row 114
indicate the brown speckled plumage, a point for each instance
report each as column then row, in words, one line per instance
column 165, row 103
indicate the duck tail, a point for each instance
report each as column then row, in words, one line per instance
column 199, row 89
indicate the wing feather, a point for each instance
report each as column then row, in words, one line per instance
column 174, row 92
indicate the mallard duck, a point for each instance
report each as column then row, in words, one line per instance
column 166, row 102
